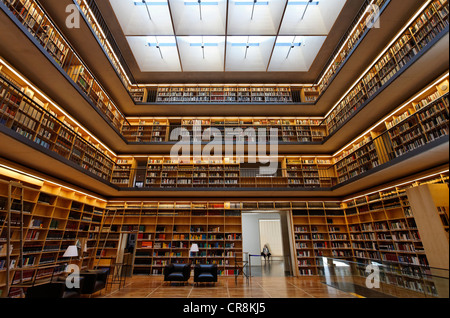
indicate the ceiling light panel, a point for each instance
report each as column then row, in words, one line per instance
column 139, row 18
column 295, row 53
column 248, row 53
column 237, row 35
column 199, row 17
column 255, row 17
column 310, row 17
column 155, row 53
column 202, row 53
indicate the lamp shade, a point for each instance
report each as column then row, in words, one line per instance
column 194, row 248
column 72, row 251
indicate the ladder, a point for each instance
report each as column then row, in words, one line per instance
column 106, row 238
column 13, row 186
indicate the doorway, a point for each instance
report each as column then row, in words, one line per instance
column 271, row 228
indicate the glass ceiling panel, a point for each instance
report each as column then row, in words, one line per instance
column 155, row 53
column 249, row 53
column 226, row 35
column 202, row 53
column 137, row 18
column 199, row 17
column 295, row 53
column 310, row 17
column 255, row 17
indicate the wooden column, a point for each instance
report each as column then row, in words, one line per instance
column 424, row 201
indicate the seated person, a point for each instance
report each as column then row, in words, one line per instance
column 266, row 252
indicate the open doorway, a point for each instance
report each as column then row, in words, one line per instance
column 272, row 228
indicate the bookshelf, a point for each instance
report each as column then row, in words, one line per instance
column 166, row 230
column 380, row 226
column 152, row 130
column 290, row 130
column 358, row 29
column 123, row 175
column 53, row 219
column 432, row 21
column 310, row 94
column 320, row 230
column 31, row 15
column 219, row 94
column 383, row 229
column 94, row 19
column 309, row 172
column 23, row 111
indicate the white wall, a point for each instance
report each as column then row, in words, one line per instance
column 251, row 235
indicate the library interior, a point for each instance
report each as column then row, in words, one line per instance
column 224, row 149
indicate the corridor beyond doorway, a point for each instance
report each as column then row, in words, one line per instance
column 267, row 227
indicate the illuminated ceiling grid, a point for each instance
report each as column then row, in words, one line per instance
column 221, row 35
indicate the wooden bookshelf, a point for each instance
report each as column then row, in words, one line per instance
column 93, row 19
column 152, row 130
column 166, row 231
column 53, row 219
column 290, row 130
column 382, row 228
column 430, row 23
column 309, row 172
column 320, row 230
column 23, row 111
column 224, row 94
column 32, row 16
column 358, row 30
column 123, row 173
column 379, row 226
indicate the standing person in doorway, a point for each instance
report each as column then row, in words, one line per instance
column 266, row 252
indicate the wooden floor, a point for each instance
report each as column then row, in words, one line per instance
column 256, row 287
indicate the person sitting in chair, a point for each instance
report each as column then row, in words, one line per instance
column 266, row 252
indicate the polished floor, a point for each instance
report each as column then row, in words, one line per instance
column 226, row 287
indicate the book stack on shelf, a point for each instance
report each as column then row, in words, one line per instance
column 49, row 128
column 358, row 30
column 166, row 231
column 357, row 159
column 224, row 94
column 123, row 172
column 53, row 219
column 320, row 230
column 295, row 130
column 92, row 19
column 382, row 229
column 30, row 14
column 432, row 21
column 421, row 121
column 310, row 94
column 154, row 130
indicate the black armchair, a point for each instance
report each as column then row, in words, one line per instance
column 54, row 289
column 177, row 272
column 94, row 281
column 205, row 273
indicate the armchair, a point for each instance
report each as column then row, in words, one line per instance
column 205, row 273
column 94, row 280
column 54, row 289
column 177, row 272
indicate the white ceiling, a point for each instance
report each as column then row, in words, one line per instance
column 226, row 35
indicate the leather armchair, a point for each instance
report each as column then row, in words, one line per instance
column 177, row 272
column 205, row 273
column 94, row 281
column 54, row 289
